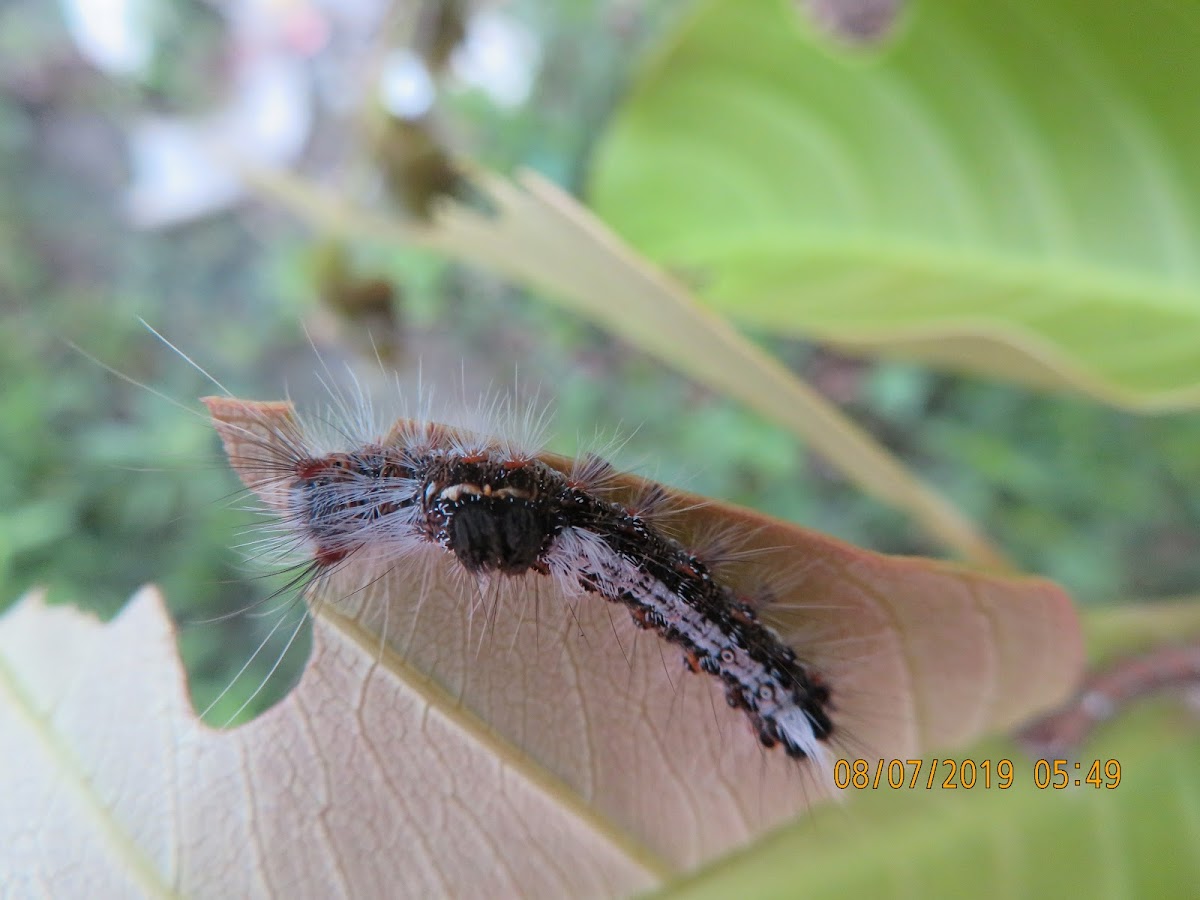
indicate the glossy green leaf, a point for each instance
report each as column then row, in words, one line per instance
column 1009, row 188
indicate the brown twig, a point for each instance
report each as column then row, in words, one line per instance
column 1106, row 692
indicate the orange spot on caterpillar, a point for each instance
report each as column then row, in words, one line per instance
column 307, row 469
column 640, row 619
column 740, row 614
column 326, row 556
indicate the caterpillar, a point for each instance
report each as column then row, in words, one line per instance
column 501, row 512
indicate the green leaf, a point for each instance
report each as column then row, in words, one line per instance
column 1126, row 630
column 1009, row 189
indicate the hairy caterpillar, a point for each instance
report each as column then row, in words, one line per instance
column 502, row 513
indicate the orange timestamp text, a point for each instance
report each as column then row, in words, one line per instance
column 968, row 774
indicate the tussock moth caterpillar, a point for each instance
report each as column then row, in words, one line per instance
column 502, row 512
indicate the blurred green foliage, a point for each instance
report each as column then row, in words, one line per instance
column 108, row 486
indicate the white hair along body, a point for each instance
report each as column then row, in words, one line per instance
column 579, row 557
column 500, row 512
